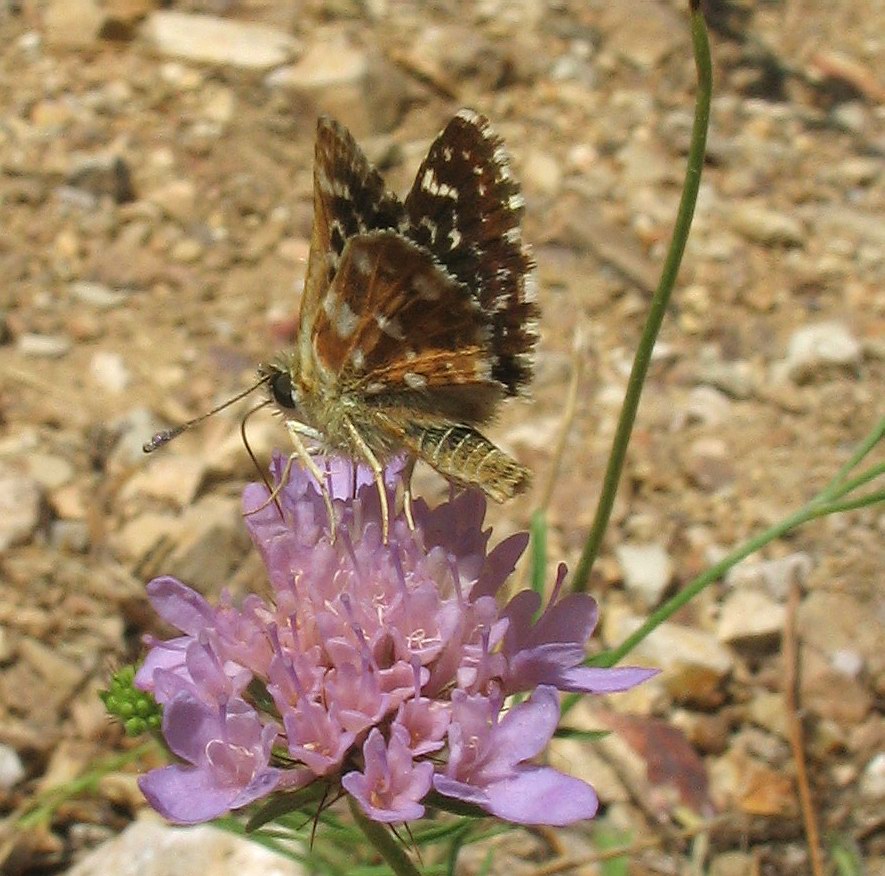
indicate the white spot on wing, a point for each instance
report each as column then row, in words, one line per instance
column 415, row 381
column 390, row 327
column 344, row 321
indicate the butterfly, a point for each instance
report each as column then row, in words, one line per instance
column 418, row 316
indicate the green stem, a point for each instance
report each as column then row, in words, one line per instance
column 383, row 841
column 863, row 449
column 659, row 302
column 837, row 491
column 852, row 504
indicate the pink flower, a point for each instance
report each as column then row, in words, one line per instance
column 384, row 668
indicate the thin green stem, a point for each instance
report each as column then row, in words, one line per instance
column 852, row 504
column 383, row 841
column 659, row 302
column 836, row 491
column 863, row 449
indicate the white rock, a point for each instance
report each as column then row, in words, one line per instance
column 774, row 576
column 43, row 346
column 212, row 40
column 872, row 780
column 762, row 225
column 19, row 507
column 647, row 570
column 109, row 371
column 148, row 848
column 97, row 294
column 12, row 770
column 749, row 618
column 707, row 405
column 814, row 348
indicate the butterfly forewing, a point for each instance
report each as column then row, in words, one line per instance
column 465, row 208
column 349, row 197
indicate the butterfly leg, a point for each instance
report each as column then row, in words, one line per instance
column 296, row 430
column 378, row 470
column 407, row 491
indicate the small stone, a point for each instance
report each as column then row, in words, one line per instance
column 210, row 541
column 212, row 40
column 73, row 23
column 109, row 371
column 190, row 851
column 19, row 507
column 814, row 349
column 735, row 377
column 97, row 294
column 647, row 569
column 541, row 172
column 69, row 535
column 774, row 576
column 51, row 472
column 851, row 115
column 847, row 662
column 708, row 406
column 187, row 250
column 103, row 175
column 43, row 346
column 750, row 620
column 176, row 199
column 171, row 477
column 734, row 864
column 709, row 464
column 62, row 675
column 148, row 536
column 762, row 225
column 766, row 709
column 643, row 40
column 343, row 80
column 693, row 663
column 872, row 780
column 739, row 781
column 12, row 770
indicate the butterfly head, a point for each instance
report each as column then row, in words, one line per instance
column 281, row 387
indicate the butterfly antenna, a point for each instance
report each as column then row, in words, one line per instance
column 252, row 456
column 164, row 436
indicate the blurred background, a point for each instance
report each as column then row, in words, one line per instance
column 155, row 193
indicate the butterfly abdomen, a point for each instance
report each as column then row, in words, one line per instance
column 467, row 457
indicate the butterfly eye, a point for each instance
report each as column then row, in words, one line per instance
column 281, row 390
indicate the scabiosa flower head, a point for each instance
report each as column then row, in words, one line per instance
column 384, row 670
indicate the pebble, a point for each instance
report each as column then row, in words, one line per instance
column 176, row 199
column 762, row 225
column 332, row 74
column 12, row 770
column 872, row 780
column 647, row 570
column 69, row 535
column 750, row 620
column 709, row 464
column 541, row 172
column 97, row 294
column 109, row 371
column 814, row 349
column 693, row 663
column 774, row 576
column 707, row 405
column 103, row 175
column 736, row 377
column 213, row 40
column 149, row 848
column 19, row 507
column 171, row 477
column 73, row 23
column 733, row 864
column 50, row 472
column 43, row 346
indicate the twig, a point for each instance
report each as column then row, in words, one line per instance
column 797, row 740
